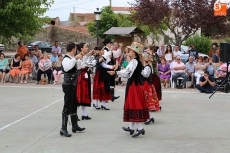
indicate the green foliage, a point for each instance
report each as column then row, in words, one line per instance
column 108, row 20
column 202, row 43
column 22, row 19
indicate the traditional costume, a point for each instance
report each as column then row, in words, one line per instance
column 135, row 107
column 149, row 90
column 69, row 89
column 83, row 88
column 111, row 62
column 155, row 77
column 101, row 83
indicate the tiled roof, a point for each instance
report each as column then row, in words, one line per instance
column 78, row 29
column 121, row 8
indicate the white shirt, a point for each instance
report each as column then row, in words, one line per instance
column 160, row 52
column 56, row 49
column 86, row 61
column 128, row 71
column 146, row 71
column 177, row 53
column 69, row 63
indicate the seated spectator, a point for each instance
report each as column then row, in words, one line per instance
column 169, row 54
column 34, row 59
column 218, row 71
column 176, row 52
column 37, row 52
column 44, row 67
column 179, row 71
column 215, row 55
column 15, row 66
column 206, row 84
column 199, row 69
column 22, row 50
column 54, row 57
column 164, row 72
column 190, row 69
column 210, row 67
column 4, row 67
column 56, row 48
column 57, row 69
column 27, row 68
column 205, row 59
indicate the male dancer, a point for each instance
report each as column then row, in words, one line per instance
column 108, row 43
column 69, row 89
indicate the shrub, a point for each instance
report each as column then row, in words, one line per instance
column 202, row 43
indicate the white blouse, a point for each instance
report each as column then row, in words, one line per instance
column 146, row 71
column 86, row 61
column 128, row 71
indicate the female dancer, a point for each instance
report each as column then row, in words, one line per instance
column 153, row 63
column 149, row 89
column 83, row 87
column 101, row 83
column 135, row 107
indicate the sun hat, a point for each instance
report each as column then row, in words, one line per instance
column 136, row 47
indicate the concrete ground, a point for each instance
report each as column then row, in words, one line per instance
column 189, row 122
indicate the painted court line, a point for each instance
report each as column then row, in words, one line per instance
column 29, row 115
column 32, row 87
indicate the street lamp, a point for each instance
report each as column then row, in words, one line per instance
column 97, row 18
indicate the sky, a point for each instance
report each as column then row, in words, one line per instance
column 62, row 9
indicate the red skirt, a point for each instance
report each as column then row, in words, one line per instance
column 151, row 98
column 135, row 107
column 83, row 89
column 157, row 85
column 99, row 92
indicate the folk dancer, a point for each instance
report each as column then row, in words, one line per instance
column 69, row 89
column 101, row 81
column 83, row 88
column 113, row 61
column 149, row 89
column 135, row 107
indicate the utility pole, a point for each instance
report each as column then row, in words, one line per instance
column 74, row 13
column 110, row 3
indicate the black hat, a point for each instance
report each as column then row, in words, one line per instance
column 106, row 41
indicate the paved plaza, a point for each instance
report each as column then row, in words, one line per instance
column 189, row 122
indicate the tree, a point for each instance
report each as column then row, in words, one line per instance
column 108, row 20
column 182, row 17
column 22, row 19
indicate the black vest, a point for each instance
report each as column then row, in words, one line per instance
column 73, row 70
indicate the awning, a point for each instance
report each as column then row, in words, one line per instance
column 123, row 31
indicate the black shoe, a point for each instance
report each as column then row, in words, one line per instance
column 64, row 126
column 104, row 108
column 149, row 121
column 142, row 131
column 116, row 97
column 77, row 128
column 85, row 117
column 96, row 107
column 160, row 108
column 128, row 130
column 64, row 132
